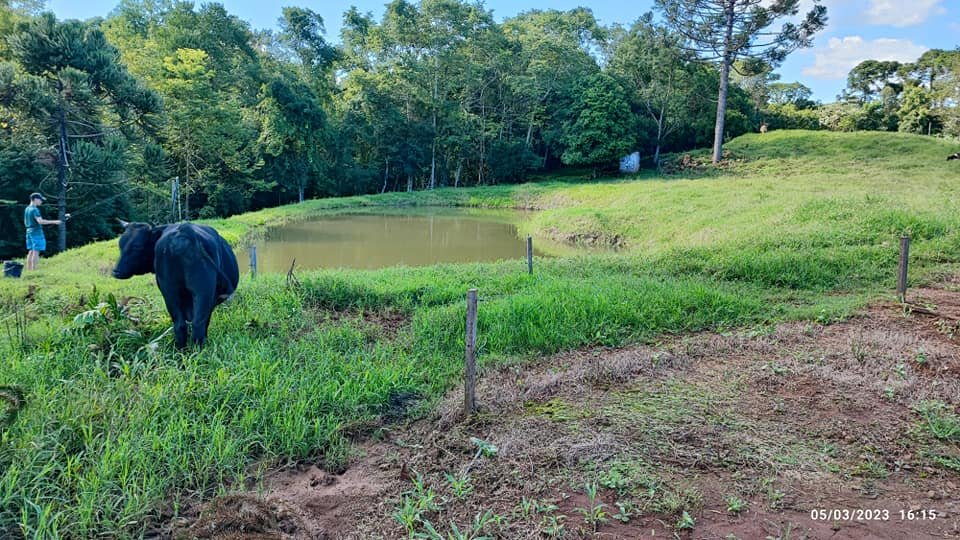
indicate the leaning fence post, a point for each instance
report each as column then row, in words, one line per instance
column 902, row 269
column 253, row 261
column 529, row 255
column 470, row 375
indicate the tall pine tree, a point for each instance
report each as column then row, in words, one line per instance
column 725, row 31
column 89, row 105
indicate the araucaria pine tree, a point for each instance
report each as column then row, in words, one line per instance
column 725, row 31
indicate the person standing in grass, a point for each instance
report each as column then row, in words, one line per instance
column 36, row 241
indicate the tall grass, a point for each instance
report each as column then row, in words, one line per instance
column 118, row 428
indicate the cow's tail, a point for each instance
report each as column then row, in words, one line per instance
column 221, row 297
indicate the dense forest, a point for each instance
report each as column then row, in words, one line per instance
column 168, row 110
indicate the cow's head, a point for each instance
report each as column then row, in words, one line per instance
column 136, row 250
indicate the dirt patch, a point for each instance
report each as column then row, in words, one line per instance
column 242, row 517
column 381, row 323
column 592, row 239
column 389, row 322
column 304, row 502
column 701, row 163
column 796, row 431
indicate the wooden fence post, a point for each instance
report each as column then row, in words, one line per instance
column 902, row 269
column 470, row 375
column 253, row 261
column 529, row 255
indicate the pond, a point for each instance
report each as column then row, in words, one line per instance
column 409, row 237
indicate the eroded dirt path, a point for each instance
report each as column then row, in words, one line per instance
column 705, row 436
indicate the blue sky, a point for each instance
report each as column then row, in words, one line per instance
column 857, row 30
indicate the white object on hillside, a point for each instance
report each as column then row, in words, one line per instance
column 631, row 163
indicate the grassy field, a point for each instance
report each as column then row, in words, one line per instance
column 115, row 429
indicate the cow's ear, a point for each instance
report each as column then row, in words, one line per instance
column 124, row 223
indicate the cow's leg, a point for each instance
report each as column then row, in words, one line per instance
column 202, row 309
column 202, row 283
column 175, row 307
column 179, row 330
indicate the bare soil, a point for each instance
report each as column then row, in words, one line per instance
column 592, row 239
column 385, row 323
column 740, row 435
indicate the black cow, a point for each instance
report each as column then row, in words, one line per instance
column 194, row 266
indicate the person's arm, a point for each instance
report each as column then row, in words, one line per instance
column 42, row 221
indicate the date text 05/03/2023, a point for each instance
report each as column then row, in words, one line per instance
column 871, row 514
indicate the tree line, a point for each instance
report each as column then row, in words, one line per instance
column 168, row 110
column 920, row 97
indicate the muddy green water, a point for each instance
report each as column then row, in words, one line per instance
column 414, row 237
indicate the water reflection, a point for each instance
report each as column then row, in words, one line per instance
column 413, row 238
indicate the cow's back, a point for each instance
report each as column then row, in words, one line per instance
column 185, row 248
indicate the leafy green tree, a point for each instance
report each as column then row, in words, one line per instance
column 301, row 31
column 789, row 116
column 222, row 97
column 754, row 76
column 293, row 132
column 916, row 112
column 868, row 78
column 600, row 129
column 551, row 53
column 725, row 31
column 13, row 12
column 932, row 65
column 388, row 78
column 659, row 75
column 918, row 97
column 206, row 134
column 795, row 93
column 938, row 72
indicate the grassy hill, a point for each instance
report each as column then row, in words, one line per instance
column 117, row 428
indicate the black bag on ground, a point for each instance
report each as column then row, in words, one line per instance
column 12, row 269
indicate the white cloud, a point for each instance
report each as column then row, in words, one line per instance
column 902, row 12
column 840, row 55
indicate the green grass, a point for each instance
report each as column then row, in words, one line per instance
column 117, row 429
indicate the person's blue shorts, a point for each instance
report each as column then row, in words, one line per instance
column 36, row 242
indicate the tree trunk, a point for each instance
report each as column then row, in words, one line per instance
column 386, row 174
column 175, row 199
column 656, row 153
column 433, row 148
column 456, row 178
column 62, row 165
column 724, row 82
column 186, row 191
column 409, row 183
column 433, row 163
column 483, row 132
column 530, row 129
column 301, row 192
